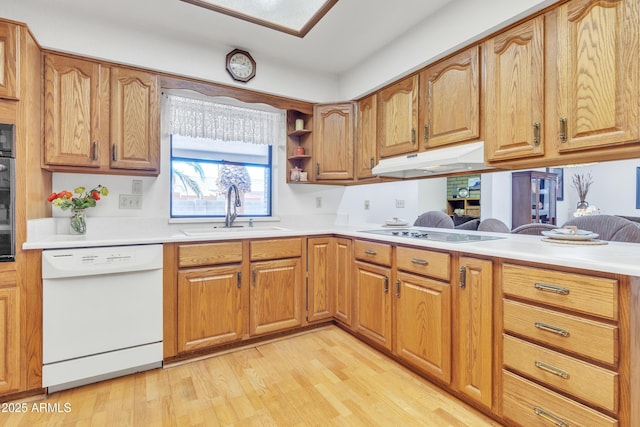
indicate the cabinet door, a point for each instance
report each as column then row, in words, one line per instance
column 473, row 333
column 423, row 324
column 333, row 141
column 9, row 340
column 594, row 100
column 276, row 295
column 514, row 92
column 373, row 303
column 398, row 118
column 450, row 100
column 75, row 123
column 210, row 307
column 135, row 120
column 8, row 60
column 366, row 157
column 344, row 281
column 322, row 278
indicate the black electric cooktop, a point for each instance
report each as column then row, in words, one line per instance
column 440, row 236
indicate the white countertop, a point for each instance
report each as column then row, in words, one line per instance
column 614, row 257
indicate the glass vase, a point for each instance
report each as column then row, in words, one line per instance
column 582, row 204
column 78, row 221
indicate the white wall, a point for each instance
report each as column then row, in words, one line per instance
column 443, row 33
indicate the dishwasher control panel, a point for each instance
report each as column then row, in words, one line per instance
column 100, row 260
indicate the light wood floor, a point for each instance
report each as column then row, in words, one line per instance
column 321, row 378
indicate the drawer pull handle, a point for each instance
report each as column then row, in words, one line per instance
column 552, row 369
column 560, row 290
column 239, row 279
column 563, row 130
column 463, row 277
column 553, row 329
column 557, row 421
column 398, row 283
column 419, row 261
column 536, row 134
column 386, row 284
column 370, row 252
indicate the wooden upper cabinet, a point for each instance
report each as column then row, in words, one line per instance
column 333, row 128
column 514, row 92
column 450, row 100
column 8, row 60
column 75, row 124
column 135, row 120
column 398, row 118
column 593, row 101
column 366, row 157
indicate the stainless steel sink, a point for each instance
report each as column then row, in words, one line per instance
column 233, row 229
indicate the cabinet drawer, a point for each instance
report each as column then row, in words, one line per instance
column 572, row 333
column 583, row 380
column 376, row 253
column 209, row 254
column 426, row 263
column 577, row 292
column 531, row 405
column 276, row 249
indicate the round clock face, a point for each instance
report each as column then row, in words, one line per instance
column 241, row 65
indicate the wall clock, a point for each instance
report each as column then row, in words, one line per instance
column 240, row 65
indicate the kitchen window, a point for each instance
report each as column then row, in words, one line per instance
column 215, row 144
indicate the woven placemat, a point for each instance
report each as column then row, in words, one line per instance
column 575, row 242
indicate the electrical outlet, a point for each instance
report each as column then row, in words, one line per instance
column 136, row 186
column 130, row 201
column 399, row 203
column 366, row 205
column 318, row 202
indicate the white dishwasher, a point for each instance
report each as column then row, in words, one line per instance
column 101, row 313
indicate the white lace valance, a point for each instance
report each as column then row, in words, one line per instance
column 197, row 118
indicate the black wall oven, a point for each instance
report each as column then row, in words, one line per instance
column 7, row 193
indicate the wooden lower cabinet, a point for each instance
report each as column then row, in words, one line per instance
column 344, row 281
column 373, row 303
column 423, row 324
column 321, row 278
column 9, row 339
column 473, row 330
column 276, row 295
column 210, row 309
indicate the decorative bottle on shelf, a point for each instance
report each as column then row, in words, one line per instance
column 298, row 150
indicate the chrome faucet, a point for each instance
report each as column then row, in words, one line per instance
column 228, row 221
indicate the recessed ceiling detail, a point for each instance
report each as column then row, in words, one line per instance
column 295, row 17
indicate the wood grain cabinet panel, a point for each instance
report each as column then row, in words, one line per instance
column 514, row 92
column 276, row 295
column 450, row 100
column 333, row 147
column 366, row 153
column 373, row 303
column 397, row 117
column 595, row 84
column 473, row 336
column 9, row 339
column 210, row 309
column 75, row 122
column 344, row 281
column 200, row 254
column 321, row 281
column 423, row 324
column 8, row 60
column 529, row 404
column 135, row 120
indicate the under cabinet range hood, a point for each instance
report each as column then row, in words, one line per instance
column 458, row 158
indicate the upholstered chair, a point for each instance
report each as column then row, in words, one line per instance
column 494, row 225
column 436, row 219
column 608, row 227
column 535, row 228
